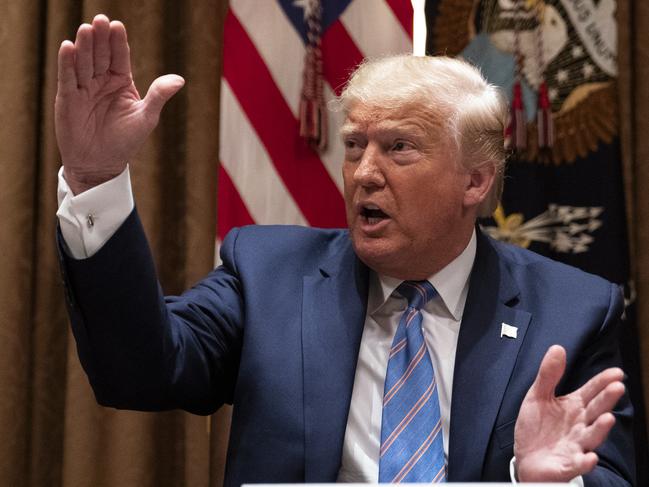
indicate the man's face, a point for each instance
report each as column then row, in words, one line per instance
column 404, row 192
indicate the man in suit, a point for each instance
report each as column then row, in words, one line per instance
column 304, row 330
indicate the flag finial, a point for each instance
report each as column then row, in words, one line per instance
column 418, row 27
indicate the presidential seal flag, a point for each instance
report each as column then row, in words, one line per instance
column 283, row 62
column 563, row 197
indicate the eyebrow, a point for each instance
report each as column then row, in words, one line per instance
column 348, row 129
column 386, row 126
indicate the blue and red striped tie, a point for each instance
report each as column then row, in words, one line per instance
column 412, row 448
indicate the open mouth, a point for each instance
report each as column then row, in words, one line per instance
column 372, row 214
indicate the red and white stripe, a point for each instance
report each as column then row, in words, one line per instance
column 268, row 174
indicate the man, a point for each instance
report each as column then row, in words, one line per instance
column 304, row 330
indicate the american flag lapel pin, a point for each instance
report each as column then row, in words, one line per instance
column 508, row 331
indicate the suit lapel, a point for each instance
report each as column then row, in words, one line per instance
column 333, row 314
column 484, row 361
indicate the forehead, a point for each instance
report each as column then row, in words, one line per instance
column 413, row 118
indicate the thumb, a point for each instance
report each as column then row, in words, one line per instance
column 160, row 91
column 550, row 372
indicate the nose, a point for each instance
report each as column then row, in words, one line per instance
column 368, row 173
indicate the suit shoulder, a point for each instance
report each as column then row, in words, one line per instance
column 291, row 235
column 284, row 231
column 285, row 243
column 521, row 260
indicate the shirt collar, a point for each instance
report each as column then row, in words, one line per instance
column 451, row 283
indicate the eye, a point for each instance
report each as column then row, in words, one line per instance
column 350, row 143
column 353, row 149
column 402, row 145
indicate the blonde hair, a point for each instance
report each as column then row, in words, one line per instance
column 452, row 93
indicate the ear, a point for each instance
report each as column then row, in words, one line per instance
column 479, row 183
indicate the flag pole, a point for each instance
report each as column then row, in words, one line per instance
column 418, row 27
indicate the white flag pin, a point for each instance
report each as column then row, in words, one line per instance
column 508, row 331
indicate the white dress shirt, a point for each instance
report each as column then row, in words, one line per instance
column 89, row 219
column 442, row 316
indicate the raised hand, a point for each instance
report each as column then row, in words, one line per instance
column 101, row 121
column 555, row 436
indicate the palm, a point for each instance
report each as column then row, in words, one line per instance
column 553, row 428
column 555, row 436
column 101, row 120
column 108, row 110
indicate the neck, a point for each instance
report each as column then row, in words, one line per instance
column 417, row 267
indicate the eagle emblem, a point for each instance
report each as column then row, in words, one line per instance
column 569, row 44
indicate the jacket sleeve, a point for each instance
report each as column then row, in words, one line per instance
column 141, row 350
column 616, row 464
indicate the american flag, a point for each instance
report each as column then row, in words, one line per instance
column 268, row 173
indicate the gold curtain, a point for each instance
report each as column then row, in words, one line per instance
column 633, row 20
column 51, row 430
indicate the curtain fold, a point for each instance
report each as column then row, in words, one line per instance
column 634, row 43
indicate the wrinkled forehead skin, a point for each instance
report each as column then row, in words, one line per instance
column 429, row 121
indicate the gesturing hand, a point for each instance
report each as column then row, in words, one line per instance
column 555, row 436
column 101, row 121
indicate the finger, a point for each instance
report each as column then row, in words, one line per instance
column 585, row 463
column 83, row 55
column 596, row 433
column 604, row 402
column 67, row 76
column 550, row 372
column 101, row 44
column 596, row 384
column 120, row 58
column 160, row 91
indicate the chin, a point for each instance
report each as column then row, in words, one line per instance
column 376, row 253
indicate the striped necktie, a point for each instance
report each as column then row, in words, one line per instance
column 412, row 448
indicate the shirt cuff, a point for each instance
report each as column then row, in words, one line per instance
column 89, row 219
column 576, row 482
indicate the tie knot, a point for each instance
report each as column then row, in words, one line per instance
column 418, row 293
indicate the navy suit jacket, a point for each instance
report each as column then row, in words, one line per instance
column 276, row 331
